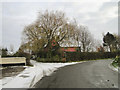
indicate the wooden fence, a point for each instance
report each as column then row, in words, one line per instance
column 13, row 60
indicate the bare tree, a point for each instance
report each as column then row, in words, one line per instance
column 11, row 49
column 48, row 26
column 117, row 42
column 84, row 38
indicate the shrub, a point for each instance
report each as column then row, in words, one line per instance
column 80, row 56
column 56, row 58
column 40, row 59
column 116, row 62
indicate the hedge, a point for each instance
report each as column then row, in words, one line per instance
column 80, row 56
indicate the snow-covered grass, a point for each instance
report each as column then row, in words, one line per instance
column 31, row 75
column 113, row 68
column 115, row 64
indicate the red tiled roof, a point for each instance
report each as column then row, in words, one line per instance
column 69, row 49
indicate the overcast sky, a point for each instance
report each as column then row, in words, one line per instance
column 101, row 16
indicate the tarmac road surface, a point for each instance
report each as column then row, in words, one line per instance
column 91, row 74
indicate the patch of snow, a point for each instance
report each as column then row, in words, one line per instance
column 113, row 68
column 31, row 75
column 6, row 80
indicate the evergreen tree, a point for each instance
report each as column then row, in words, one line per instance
column 109, row 40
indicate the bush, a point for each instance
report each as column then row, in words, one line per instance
column 55, row 58
column 48, row 54
column 40, row 59
column 80, row 56
column 116, row 62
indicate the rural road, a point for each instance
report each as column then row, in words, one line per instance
column 91, row 74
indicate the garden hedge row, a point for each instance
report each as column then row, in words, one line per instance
column 80, row 56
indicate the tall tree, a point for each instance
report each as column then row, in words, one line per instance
column 84, row 38
column 48, row 25
column 4, row 52
column 109, row 40
column 117, row 42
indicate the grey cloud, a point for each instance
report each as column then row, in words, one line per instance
column 17, row 15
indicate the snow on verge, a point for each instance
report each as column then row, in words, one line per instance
column 31, row 75
column 113, row 68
